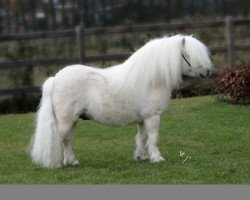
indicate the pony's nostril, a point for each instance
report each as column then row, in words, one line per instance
column 209, row 72
column 202, row 76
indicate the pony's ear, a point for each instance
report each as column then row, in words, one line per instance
column 183, row 42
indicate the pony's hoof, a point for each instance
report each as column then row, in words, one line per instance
column 72, row 163
column 157, row 159
column 75, row 162
column 55, row 166
column 141, row 157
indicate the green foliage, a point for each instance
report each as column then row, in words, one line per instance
column 21, row 50
column 214, row 134
column 33, row 50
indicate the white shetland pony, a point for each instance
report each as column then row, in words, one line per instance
column 136, row 91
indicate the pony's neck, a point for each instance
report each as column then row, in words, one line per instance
column 156, row 64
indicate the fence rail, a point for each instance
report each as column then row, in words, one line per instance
column 80, row 33
column 123, row 29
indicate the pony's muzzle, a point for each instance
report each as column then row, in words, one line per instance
column 207, row 73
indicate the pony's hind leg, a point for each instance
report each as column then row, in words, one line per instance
column 69, row 156
column 141, row 138
column 66, row 122
column 152, row 127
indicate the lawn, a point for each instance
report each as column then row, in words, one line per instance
column 215, row 135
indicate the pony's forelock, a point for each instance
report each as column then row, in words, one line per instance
column 199, row 57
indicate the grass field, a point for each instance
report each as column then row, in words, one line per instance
column 215, row 135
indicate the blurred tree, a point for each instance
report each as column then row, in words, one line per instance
column 168, row 10
column 52, row 14
column 32, row 15
column 85, row 7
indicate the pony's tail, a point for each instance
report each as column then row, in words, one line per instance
column 45, row 144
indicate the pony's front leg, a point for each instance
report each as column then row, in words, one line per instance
column 141, row 138
column 152, row 127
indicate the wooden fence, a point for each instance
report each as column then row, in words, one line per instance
column 80, row 33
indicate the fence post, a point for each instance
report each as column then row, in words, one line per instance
column 229, row 33
column 80, row 42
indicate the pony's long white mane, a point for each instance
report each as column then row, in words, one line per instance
column 156, row 62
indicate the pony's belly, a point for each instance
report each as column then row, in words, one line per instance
column 115, row 117
column 110, row 112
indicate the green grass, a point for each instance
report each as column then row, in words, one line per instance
column 214, row 134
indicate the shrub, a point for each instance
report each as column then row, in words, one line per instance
column 234, row 83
